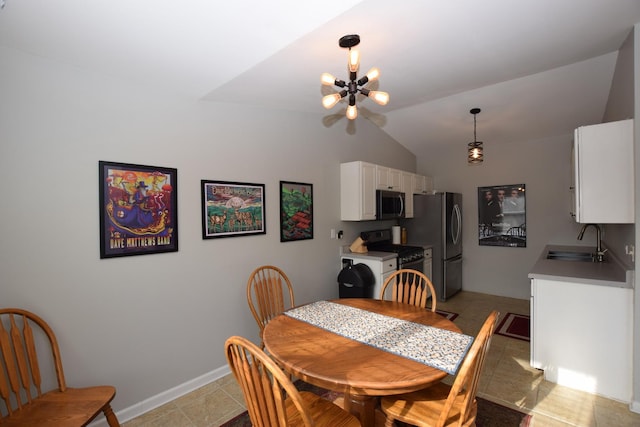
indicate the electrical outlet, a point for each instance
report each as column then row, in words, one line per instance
column 333, row 233
column 631, row 251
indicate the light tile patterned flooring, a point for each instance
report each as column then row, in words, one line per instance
column 507, row 379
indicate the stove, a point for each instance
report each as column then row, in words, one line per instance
column 411, row 257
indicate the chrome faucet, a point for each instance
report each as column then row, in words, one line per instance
column 599, row 252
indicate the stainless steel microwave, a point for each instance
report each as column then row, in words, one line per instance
column 389, row 204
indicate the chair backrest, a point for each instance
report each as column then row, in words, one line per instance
column 269, row 293
column 464, row 388
column 411, row 287
column 21, row 379
column 264, row 385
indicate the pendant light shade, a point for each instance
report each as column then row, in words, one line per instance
column 475, row 154
column 353, row 86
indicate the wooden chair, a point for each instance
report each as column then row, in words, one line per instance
column 411, row 287
column 443, row 405
column 266, row 291
column 21, row 379
column 272, row 399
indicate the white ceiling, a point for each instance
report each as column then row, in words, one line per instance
column 537, row 68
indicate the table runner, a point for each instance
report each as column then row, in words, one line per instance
column 435, row 347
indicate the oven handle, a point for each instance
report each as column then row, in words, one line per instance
column 409, row 265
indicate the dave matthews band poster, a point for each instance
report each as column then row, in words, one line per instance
column 138, row 209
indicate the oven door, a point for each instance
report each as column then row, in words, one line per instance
column 416, row 264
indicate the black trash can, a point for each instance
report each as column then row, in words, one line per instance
column 356, row 281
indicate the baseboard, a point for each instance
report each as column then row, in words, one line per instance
column 634, row 406
column 160, row 399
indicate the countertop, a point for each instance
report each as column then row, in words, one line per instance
column 372, row 255
column 611, row 272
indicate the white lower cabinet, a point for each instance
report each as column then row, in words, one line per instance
column 581, row 336
column 428, row 263
column 381, row 269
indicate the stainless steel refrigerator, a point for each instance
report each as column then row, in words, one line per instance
column 438, row 221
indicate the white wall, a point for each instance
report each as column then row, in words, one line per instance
column 149, row 323
column 543, row 166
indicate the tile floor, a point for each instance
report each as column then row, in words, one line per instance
column 507, row 379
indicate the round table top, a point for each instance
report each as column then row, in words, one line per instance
column 328, row 360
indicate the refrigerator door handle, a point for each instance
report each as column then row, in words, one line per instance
column 456, row 220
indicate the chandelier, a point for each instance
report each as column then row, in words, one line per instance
column 475, row 154
column 353, row 86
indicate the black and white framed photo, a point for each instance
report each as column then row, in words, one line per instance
column 502, row 219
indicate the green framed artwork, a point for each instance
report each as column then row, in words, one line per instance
column 296, row 211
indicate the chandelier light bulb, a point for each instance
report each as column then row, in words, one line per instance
column 354, row 60
column 330, row 101
column 380, row 98
column 352, row 112
column 328, row 79
column 373, row 74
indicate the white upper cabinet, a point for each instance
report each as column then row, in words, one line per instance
column 603, row 174
column 360, row 180
column 357, row 191
column 422, row 184
column 388, row 178
column 406, row 179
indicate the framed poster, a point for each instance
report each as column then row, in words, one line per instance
column 138, row 209
column 296, row 211
column 502, row 216
column 232, row 209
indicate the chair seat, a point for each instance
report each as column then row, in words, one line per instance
column 423, row 407
column 73, row 407
column 322, row 411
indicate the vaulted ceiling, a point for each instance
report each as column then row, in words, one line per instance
column 537, row 68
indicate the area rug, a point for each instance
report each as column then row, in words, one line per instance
column 489, row 414
column 515, row 326
column 447, row 314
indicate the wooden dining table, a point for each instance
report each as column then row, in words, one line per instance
column 361, row 371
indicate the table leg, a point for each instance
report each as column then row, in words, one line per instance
column 363, row 407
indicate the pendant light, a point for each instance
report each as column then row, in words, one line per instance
column 475, row 153
column 354, row 85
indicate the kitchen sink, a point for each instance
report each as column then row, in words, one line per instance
column 571, row 256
